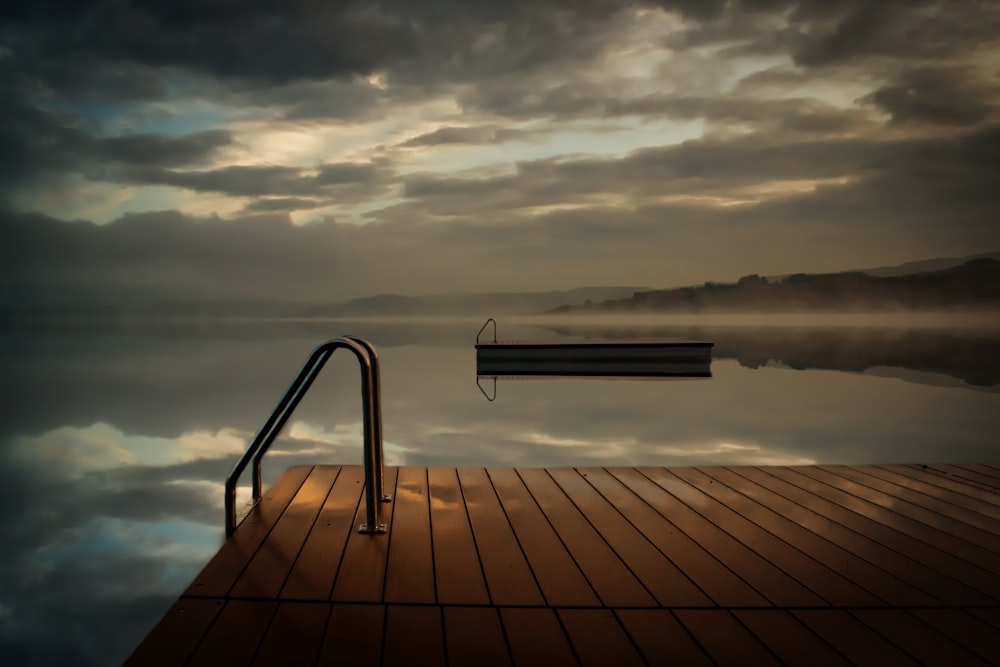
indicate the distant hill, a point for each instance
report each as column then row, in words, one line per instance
column 974, row 284
column 486, row 304
column 920, row 266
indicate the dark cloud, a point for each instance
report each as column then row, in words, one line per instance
column 237, row 180
column 851, row 29
column 163, row 150
column 841, row 31
column 821, row 34
column 65, row 62
column 283, row 42
column 40, row 144
column 936, row 95
column 34, row 142
column 336, row 100
column 287, row 48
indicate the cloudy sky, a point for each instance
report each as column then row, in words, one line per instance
column 323, row 150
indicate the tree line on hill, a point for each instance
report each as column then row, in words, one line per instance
column 974, row 284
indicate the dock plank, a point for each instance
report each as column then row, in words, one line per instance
column 564, row 566
column 984, row 474
column 834, row 588
column 508, row 577
column 474, row 637
column 457, row 574
column 560, row 579
column 970, row 526
column 961, row 496
column 536, row 638
column 991, row 615
column 855, row 640
column 409, row 575
column 294, row 636
column 235, row 635
column 315, row 569
column 219, row 575
column 614, row 583
column 265, row 575
column 414, row 637
column 769, row 580
column 709, row 574
column 962, row 476
column 361, row 577
column 872, row 584
column 968, row 475
column 788, row 639
column 941, row 574
column 598, row 638
column 174, row 639
column 353, row 636
column 885, row 509
column 724, row 638
column 829, row 542
column 920, row 641
column 661, row 638
column 669, row 585
column 913, row 539
column 972, row 633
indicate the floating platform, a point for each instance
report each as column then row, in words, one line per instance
column 818, row 565
column 626, row 358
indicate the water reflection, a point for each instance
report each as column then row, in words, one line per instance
column 971, row 355
column 114, row 441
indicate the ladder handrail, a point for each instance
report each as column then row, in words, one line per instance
column 486, row 324
column 371, row 407
column 488, row 397
column 376, row 414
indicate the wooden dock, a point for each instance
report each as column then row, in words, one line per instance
column 817, row 565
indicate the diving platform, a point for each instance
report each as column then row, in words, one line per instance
column 627, row 358
column 592, row 358
column 818, row 565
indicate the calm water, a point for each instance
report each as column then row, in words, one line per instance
column 115, row 440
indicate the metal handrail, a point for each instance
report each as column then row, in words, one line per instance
column 376, row 415
column 371, row 408
column 483, row 391
column 485, row 324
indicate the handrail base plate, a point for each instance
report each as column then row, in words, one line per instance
column 380, row 528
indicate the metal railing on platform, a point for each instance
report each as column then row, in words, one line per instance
column 486, row 324
column 371, row 400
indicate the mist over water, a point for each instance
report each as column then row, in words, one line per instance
column 951, row 319
column 116, row 441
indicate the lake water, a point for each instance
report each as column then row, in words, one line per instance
column 115, row 439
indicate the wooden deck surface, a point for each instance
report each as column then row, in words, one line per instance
column 817, row 565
